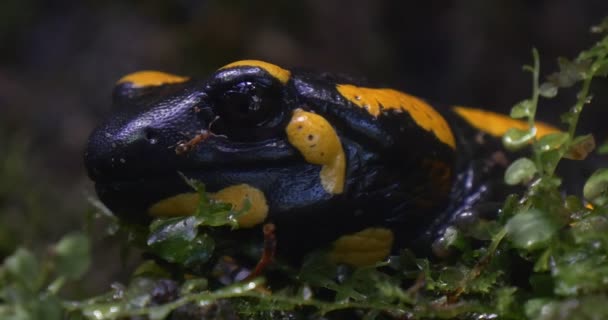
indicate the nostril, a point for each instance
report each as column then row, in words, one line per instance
column 150, row 135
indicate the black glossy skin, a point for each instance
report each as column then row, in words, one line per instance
column 132, row 158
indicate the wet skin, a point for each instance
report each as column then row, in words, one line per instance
column 327, row 159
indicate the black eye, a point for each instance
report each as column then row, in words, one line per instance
column 248, row 103
column 248, row 111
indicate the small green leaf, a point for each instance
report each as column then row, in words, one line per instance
column 200, row 250
column 452, row 277
column 573, row 203
column 579, row 308
column 188, row 253
column 317, row 270
column 542, row 262
column 515, row 139
column 48, row 307
column 102, row 311
column 177, row 240
column 221, row 214
column 485, row 282
column 150, row 269
column 454, row 238
column 596, row 187
column 602, row 70
column 73, row 255
column 580, row 271
column 522, row 109
column 167, row 229
column 531, row 229
column 602, row 27
column 506, row 302
column 603, row 149
column 570, row 73
column 551, row 141
column 360, row 285
column 214, row 213
column 548, row 90
column 23, row 267
column 159, row 312
column 521, row 171
column 549, row 160
column 534, row 307
column 590, row 229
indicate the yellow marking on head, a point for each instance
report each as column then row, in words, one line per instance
column 497, row 124
column 319, row 143
column 186, row 204
column 279, row 73
column 363, row 248
column 376, row 100
column 151, row 78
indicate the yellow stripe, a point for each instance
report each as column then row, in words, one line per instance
column 376, row 100
column 151, row 78
column 319, row 143
column 185, row 204
column 363, row 248
column 277, row 72
column 497, row 124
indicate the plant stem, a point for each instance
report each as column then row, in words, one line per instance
column 534, row 106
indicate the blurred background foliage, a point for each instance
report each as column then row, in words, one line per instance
column 60, row 59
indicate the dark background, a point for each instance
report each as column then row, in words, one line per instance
column 59, row 60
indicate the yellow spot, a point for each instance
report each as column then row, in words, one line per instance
column 376, row 100
column 497, row 124
column 186, row 204
column 363, row 248
column 236, row 195
column 183, row 204
column 319, row 144
column 151, row 78
column 279, row 73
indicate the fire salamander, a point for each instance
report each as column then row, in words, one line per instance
column 330, row 161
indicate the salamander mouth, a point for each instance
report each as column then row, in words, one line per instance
column 209, row 174
column 129, row 198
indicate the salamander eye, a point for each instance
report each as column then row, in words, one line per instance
column 248, row 103
column 248, row 111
